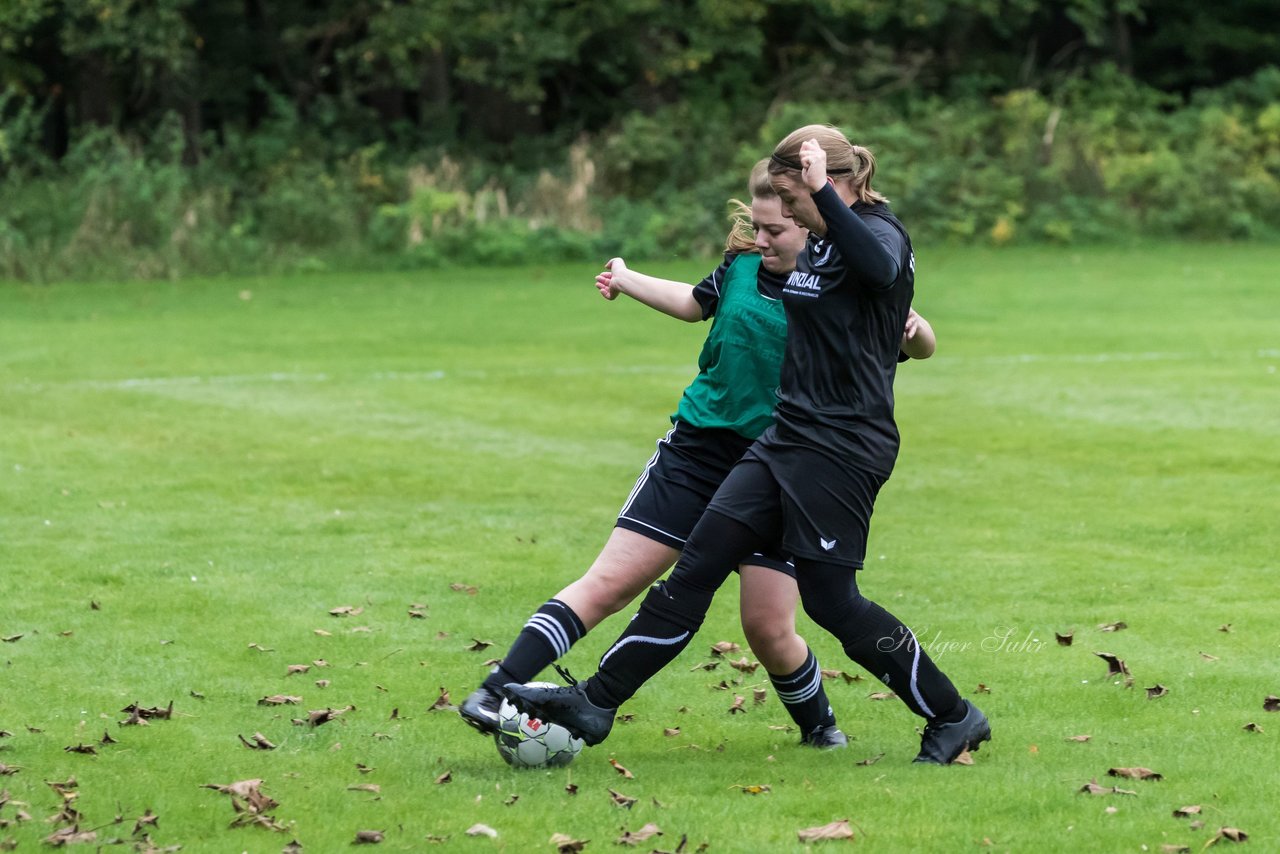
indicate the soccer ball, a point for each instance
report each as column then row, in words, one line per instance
column 526, row 742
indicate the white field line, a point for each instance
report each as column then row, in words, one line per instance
column 287, row 378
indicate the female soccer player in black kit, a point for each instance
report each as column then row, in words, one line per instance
column 809, row 483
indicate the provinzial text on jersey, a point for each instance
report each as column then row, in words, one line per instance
column 803, row 284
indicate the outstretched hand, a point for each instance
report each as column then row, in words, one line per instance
column 813, row 163
column 605, row 281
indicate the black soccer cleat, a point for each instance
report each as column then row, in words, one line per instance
column 942, row 743
column 825, row 738
column 480, row 710
column 567, row 706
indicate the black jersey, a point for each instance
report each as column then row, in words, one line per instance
column 846, row 306
column 707, row 292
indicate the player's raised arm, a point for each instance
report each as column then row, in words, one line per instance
column 667, row 296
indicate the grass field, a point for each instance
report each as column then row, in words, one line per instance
column 193, row 475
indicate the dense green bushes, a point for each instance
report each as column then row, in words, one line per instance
column 1102, row 158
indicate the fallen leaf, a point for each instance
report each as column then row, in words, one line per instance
column 482, row 830
column 1230, row 834
column 260, row 648
column 511, row 800
column 346, row 611
column 319, row 717
column 882, row 695
column 1065, row 638
column 738, row 700
column 87, row 749
column 1135, row 773
column 567, row 844
column 646, row 832
column 1251, row 727
column 417, row 615
column 12, row 638
column 745, row 666
column 871, row 760
column 1093, row 788
column 464, row 588
column 280, row 700
column 1175, row 849
column 706, row 665
column 1225, row 627
column 372, row 788
column 835, row 830
column 670, row 731
column 1271, row 704
column 982, row 689
column 617, row 766
column 297, row 668
column 442, row 703
column 446, row 777
column 966, row 758
column 1115, row 666
column 620, row 799
column 10, row 770
column 1156, row 691
column 478, row 645
column 1207, row 657
column 322, row 633
column 1113, row 627
column 754, row 789
column 323, row 683
column 153, row 713
column 571, row 788
column 626, row 719
column 1186, row 812
column 294, row 847
column 759, row 695
column 368, row 837
column 259, row 742
column 70, row 836
column 723, row 648
column 147, row 819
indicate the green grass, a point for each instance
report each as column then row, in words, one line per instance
column 218, row 463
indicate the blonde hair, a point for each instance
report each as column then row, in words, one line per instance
column 845, row 161
column 742, row 234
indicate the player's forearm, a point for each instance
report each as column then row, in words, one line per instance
column 668, row 297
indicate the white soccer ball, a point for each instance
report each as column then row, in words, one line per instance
column 526, row 742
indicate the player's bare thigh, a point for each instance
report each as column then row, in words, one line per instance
column 628, row 563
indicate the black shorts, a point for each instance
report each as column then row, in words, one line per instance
column 800, row 499
column 672, row 492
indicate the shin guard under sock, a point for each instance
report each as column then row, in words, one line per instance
column 890, row 652
column 547, row 635
column 667, row 620
column 804, row 697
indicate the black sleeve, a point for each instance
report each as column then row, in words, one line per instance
column 707, row 292
column 863, row 250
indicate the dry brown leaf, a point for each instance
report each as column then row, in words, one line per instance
column 1135, row 773
column 1113, row 627
column 478, row 645
column 372, row 788
column 1079, row 738
column 567, row 844
column 70, row 836
column 1230, row 834
column 12, row 638
column 1156, row 691
column 1225, row 627
column 1093, row 788
column 706, row 665
column 294, row 847
column 745, row 666
column 482, row 830
column 882, row 695
column 464, row 588
column 617, row 766
column 86, row 749
column 259, row 742
column 966, row 758
column 571, row 788
column 260, row 648
column 1251, row 727
column 147, row 819
column 1065, row 638
column 621, row 800
column 1175, row 849
column 982, row 689
column 280, row 700
column 511, row 800
column 1271, row 704
column 871, row 760
column 754, row 789
column 830, row 674
column 446, row 777
column 1207, row 657
column 738, row 700
column 670, row 731
column 644, row 833
column 417, row 615
column 153, row 713
column 322, row 633
column 1187, row 812
column 319, row 717
column 323, row 683
column 835, row 830
column 368, row 837
column 297, row 668
column 10, row 770
column 759, row 695
column 1115, row 665
column 346, row 611
column 724, row 648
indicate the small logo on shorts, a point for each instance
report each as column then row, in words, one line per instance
column 827, row 545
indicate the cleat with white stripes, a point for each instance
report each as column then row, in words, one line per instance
column 480, row 710
column 567, row 706
column 825, row 738
column 942, row 743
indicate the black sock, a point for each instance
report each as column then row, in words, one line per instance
column 547, row 635
column 667, row 620
column 804, row 697
column 890, row 652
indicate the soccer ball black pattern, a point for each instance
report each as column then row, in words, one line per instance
column 526, row 742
